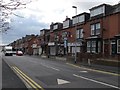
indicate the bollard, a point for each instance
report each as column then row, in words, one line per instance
column 89, row 62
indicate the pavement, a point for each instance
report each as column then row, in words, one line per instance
column 10, row 80
column 92, row 66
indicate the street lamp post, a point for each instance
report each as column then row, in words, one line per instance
column 75, row 37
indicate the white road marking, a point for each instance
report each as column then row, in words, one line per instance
column 96, row 81
column 83, row 71
column 61, row 81
column 50, row 67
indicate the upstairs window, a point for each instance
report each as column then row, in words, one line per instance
column 79, row 33
column 66, row 24
column 92, row 29
column 78, row 19
column 95, row 29
column 55, row 27
column 75, row 20
column 97, row 11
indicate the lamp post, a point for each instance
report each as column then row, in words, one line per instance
column 75, row 37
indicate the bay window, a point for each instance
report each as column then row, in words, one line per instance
column 88, row 46
column 93, row 46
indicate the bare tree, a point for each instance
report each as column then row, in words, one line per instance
column 6, row 8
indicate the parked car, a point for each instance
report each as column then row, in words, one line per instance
column 19, row 53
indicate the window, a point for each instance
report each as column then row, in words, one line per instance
column 79, row 33
column 66, row 24
column 88, row 46
column 92, row 29
column 81, row 18
column 97, row 11
column 75, row 20
column 93, row 46
column 55, row 27
column 95, row 29
column 118, row 46
column 99, row 47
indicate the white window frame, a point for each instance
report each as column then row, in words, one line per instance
column 118, row 45
column 79, row 33
column 92, row 26
column 97, row 28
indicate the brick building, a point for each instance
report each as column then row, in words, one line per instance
column 97, row 32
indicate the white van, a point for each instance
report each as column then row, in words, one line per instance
column 8, row 51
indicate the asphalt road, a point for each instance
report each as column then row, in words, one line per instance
column 10, row 81
column 44, row 74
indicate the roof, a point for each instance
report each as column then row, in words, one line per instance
column 100, row 6
column 81, row 14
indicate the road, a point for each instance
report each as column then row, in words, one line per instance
column 45, row 74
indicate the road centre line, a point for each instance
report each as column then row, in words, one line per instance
column 105, row 72
column 96, row 81
column 28, row 79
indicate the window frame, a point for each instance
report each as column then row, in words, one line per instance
column 79, row 33
column 118, row 46
column 88, row 46
column 95, row 29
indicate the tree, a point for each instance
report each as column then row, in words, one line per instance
column 6, row 9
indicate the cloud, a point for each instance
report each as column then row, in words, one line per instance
column 20, row 27
column 40, row 13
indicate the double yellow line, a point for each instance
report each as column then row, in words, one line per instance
column 29, row 81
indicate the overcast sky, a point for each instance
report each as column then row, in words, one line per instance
column 40, row 13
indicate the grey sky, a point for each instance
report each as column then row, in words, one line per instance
column 39, row 15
